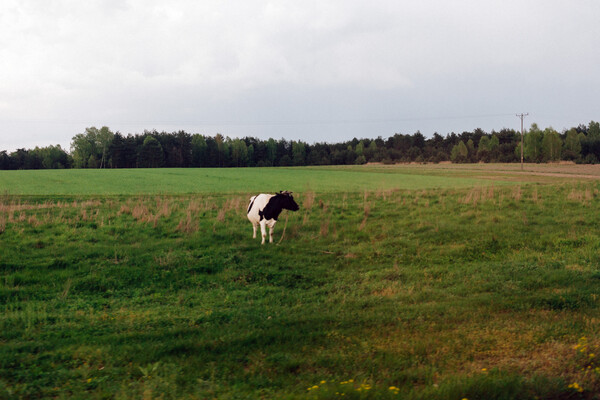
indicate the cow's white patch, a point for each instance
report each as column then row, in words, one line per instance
column 257, row 204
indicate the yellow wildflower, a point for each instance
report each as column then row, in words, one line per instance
column 576, row 386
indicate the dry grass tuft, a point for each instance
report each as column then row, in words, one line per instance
column 417, row 198
column 141, row 213
column 490, row 193
column 210, row 204
column 363, row 224
column 305, row 219
column 221, row 215
column 385, row 194
column 66, row 289
column 472, row 197
column 193, row 207
column 235, row 204
column 516, row 193
column 7, row 207
column 166, row 260
column 187, row 224
column 581, row 196
column 2, row 222
column 323, row 206
column 535, row 196
column 308, row 200
column 125, row 209
column 324, row 228
column 575, row 195
column 367, row 211
column 386, row 292
column 91, row 203
column 33, row 221
column 163, row 207
column 479, row 194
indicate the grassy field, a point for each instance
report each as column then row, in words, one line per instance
column 215, row 180
column 406, row 282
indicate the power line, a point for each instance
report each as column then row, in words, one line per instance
column 258, row 123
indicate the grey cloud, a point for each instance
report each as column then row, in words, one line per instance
column 303, row 70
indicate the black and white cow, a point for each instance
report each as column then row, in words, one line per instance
column 264, row 209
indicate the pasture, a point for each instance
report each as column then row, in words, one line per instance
column 393, row 282
column 222, row 180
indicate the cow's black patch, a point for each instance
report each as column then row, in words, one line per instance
column 276, row 204
column 251, row 204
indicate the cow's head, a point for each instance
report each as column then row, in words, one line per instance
column 287, row 201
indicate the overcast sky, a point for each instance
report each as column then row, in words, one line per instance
column 302, row 70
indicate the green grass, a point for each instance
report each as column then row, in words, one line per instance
column 222, row 180
column 478, row 292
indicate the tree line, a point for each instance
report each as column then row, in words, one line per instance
column 101, row 148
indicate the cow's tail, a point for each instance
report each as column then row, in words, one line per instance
column 250, row 205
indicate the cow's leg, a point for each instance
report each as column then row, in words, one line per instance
column 263, row 230
column 254, row 230
column 271, row 226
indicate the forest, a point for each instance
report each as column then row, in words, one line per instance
column 101, row 148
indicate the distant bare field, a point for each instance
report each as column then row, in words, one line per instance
column 554, row 169
column 542, row 173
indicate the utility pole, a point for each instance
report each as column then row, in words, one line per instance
column 522, row 115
